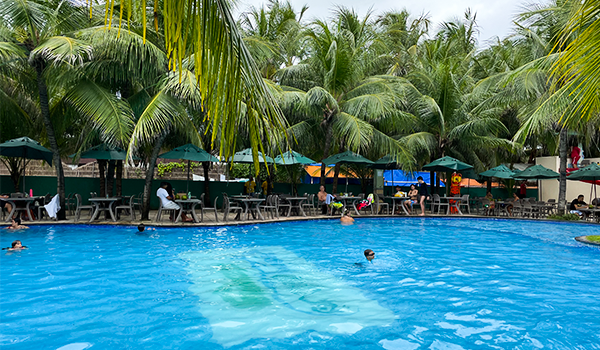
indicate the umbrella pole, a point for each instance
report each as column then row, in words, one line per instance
column 24, row 166
column 188, row 179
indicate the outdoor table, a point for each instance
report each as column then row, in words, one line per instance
column 188, row 205
column 250, row 204
column 587, row 212
column 103, row 204
column 13, row 202
column 394, row 199
column 296, row 202
column 353, row 199
column 502, row 205
column 456, row 204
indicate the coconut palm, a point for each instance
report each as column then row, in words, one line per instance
column 528, row 88
column 36, row 51
column 439, row 92
column 331, row 102
column 273, row 35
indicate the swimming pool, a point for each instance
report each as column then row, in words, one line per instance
column 434, row 284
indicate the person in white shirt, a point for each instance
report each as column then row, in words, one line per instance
column 167, row 201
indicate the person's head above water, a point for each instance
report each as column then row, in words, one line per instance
column 16, row 222
column 17, row 245
column 369, row 254
column 141, row 227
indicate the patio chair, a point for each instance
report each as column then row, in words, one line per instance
column 528, row 209
column 487, row 210
column 553, row 206
column 309, row 206
column 437, row 203
column 40, row 208
column 127, row 205
column 517, row 208
column 93, row 194
column 204, row 208
column 138, row 202
column 227, row 207
column 283, row 205
column 464, row 203
column 270, row 206
column 17, row 195
column 378, row 204
column 173, row 215
column 81, row 207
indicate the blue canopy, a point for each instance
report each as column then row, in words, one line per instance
column 400, row 178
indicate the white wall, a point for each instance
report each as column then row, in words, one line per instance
column 549, row 188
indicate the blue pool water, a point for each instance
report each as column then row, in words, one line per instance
column 434, row 284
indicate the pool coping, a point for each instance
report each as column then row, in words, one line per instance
column 151, row 223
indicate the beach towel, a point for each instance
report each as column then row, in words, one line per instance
column 53, row 207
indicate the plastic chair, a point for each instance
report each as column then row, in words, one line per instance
column 41, row 209
column 437, row 202
column 227, row 207
column 204, row 208
column 127, row 205
column 270, row 206
column 161, row 209
column 281, row 205
column 464, row 202
column 309, row 206
column 81, row 207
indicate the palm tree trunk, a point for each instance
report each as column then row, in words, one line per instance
column 206, row 168
column 39, row 66
column 110, row 176
column 150, row 176
column 336, row 175
column 101, row 171
column 328, row 138
column 562, row 154
column 119, row 183
column 431, row 183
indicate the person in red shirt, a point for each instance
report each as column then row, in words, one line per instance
column 575, row 155
column 523, row 190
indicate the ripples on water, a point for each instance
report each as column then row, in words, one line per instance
column 435, row 284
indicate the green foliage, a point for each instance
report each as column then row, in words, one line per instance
column 565, row 217
column 166, row 168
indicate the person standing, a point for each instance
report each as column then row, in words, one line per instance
column 523, row 190
column 423, row 194
column 250, row 185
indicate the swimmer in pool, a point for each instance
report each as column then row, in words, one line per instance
column 370, row 255
column 16, row 225
column 16, row 245
column 141, row 228
column 346, row 219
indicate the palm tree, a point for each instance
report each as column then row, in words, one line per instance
column 439, row 92
column 273, row 35
column 33, row 45
column 332, row 103
column 577, row 69
column 529, row 87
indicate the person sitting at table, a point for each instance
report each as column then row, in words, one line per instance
column 250, row 185
column 16, row 225
column 346, row 219
column 577, row 204
column 16, row 245
column 5, row 204
column 322, row 197
column 413, row 194
column 490, row 207
column 423, row 194
column 166, row 200
column 398, row 192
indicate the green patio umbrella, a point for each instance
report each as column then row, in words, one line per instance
column 26, row 148
column 245, row 156
column 590, row 173
column 385, row 162
column 347, row 157
column 291, row 158
column 536, row 172
column 447, row 165
column 501, row 172
column 103, row 152
column 191, row 153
